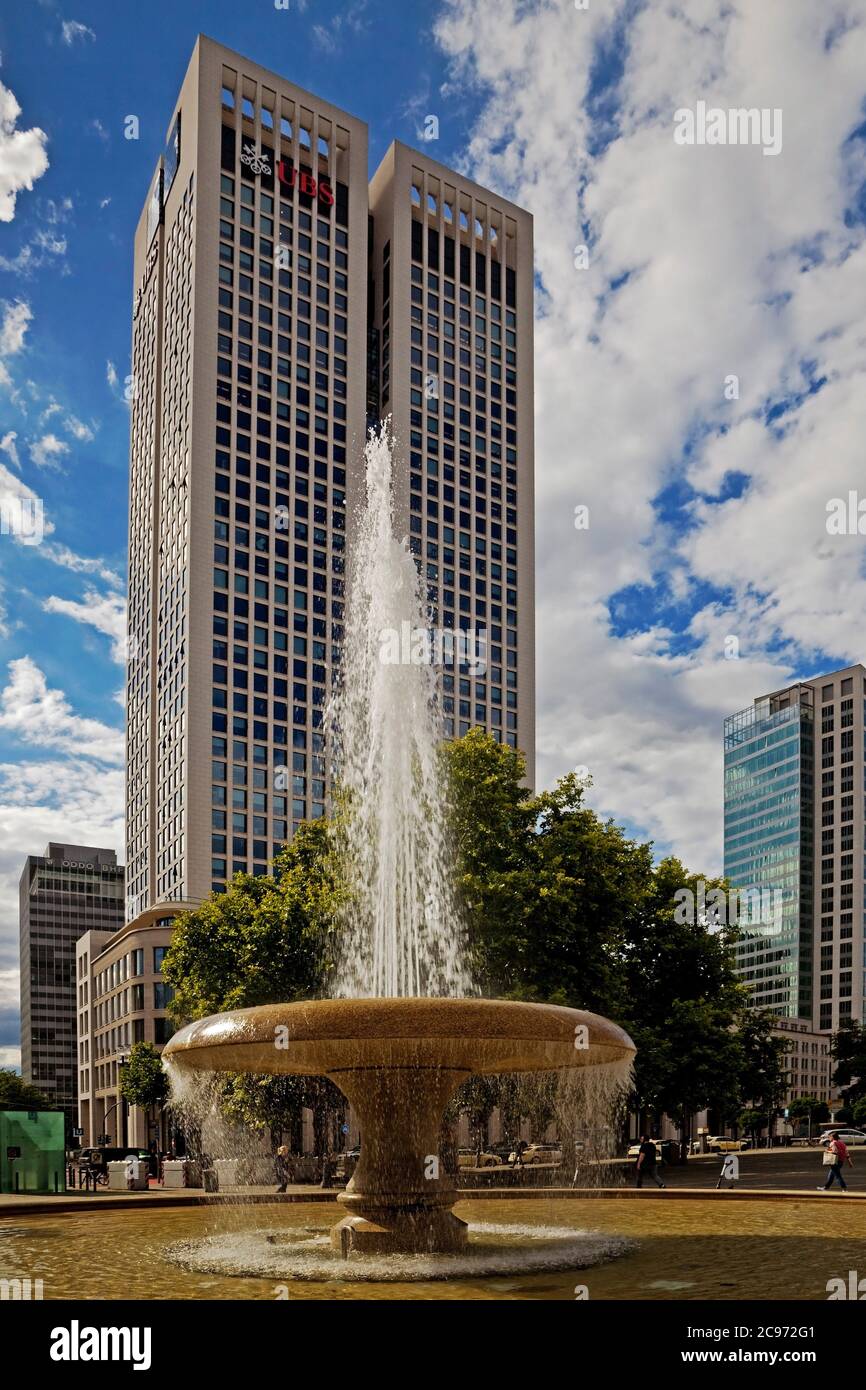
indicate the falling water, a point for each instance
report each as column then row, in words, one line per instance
column 401, row 931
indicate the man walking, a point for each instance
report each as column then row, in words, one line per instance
column 646, row 1162
column 835, row 1156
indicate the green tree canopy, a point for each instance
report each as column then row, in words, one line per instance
column 809, row 1108
column 17, row 1094
column 266, row 939
column 143, row 1081
column 848, row 1050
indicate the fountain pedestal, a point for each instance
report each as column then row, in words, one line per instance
column 398, row 1062
column 399, row 1199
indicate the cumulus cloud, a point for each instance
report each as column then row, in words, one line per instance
column 23, row 159
column 105, row 612
column 707, row 508
column 48, row 451
column 39, row 716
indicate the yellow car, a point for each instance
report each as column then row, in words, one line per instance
column 719, row 1144
column 467, row 1158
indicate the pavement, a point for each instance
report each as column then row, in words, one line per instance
column 765, row 1174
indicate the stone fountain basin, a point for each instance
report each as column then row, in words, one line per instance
column 323, row 1036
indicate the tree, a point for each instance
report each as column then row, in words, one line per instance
column 762, row 1077
column 809, row 1108
column 859, row 1113
column 683, row 1002
column 546, row 888
column 143, row 1080
column 753, row 1122
column 18, row 1094
column 265, row 940
column 848, row 1050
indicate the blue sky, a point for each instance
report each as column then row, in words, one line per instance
column 705, row 266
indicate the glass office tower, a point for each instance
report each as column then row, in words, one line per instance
column 795, row 782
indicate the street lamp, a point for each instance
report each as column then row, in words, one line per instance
column 122, row 1061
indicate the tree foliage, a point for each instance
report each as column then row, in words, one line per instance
column 18, row 1094
column 848, row 1050
column 143, row 1081
column 558, row 905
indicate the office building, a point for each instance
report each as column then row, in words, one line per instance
column 63, row 893
column 794, row 823
column 282, row 304
column 122, row 999
column 451, row 271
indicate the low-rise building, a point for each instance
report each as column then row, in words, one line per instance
column 806, row 1059
column 122, row 999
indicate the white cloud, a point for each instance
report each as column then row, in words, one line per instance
column 74, row 32
column 81, row 564
column 22, row 155
column 17, row 318
column 105, row 612
column 703, row 262
column 111, row 374
column 77, row 428
column 43, row 248
column 10, row 449
column 48, row 451
column 44, row 718
column 69, row 800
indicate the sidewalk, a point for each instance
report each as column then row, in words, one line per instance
column 12, row 1205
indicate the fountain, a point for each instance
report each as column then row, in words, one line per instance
column 403, row 1030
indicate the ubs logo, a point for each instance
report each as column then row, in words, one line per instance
column 290, row 177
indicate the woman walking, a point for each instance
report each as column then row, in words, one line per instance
column 835, row 1155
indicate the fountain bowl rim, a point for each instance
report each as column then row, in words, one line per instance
column 504, row 1035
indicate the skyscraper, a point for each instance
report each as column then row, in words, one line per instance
column 795, row 776
column 451, row 277
column 263, row 346
column 63, row 893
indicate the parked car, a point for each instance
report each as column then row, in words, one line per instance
column 851, row 1137
column 466, row 1158
column 634, row 1149
column 542, row 1153
column 721, row 1144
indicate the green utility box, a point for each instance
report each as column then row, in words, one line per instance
column 32, row 1151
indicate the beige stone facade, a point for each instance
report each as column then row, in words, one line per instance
column 122, row 999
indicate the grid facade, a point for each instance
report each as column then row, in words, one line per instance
column 64, row 893
column 451, row 309
column 264, row 345
column 795, row 795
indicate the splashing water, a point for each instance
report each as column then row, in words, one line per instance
column 401, row 931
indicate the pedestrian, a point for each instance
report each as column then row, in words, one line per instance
column 730, row 1170
column 647, row 1157
column 835, row 1155
column 281, row 1167
column 327, row 1170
